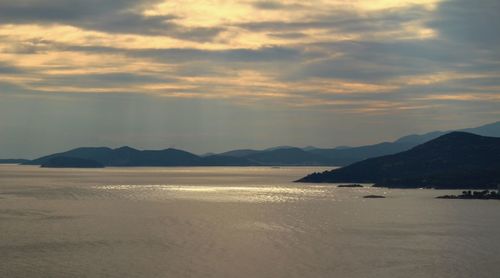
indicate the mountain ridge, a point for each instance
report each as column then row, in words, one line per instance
column 342, row 155
column 275, row 156
column 453, row 160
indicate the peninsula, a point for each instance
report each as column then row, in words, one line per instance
column 455, row 160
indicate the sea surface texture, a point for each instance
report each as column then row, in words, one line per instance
column 234, row 222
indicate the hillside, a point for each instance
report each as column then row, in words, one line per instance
column 342, row 156
column 71, row 162
column 454, row 160
column 276, row 156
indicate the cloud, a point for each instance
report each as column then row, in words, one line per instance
column 343, row 21
column 243, row 70
column 101, row 80
column 9, row 69
column 473, row 22
column 27, row 11
column 372, row 61
column 110, row 16
column 275, row 5
column 344, row 57
column 288, row 35
column 266, row 54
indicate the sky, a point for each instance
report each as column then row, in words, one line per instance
column 214, row 75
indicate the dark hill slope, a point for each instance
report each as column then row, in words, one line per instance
column 454, row 160
column 96, row 154
column 71, row 162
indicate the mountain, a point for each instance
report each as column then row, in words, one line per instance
column 309, row 148
column 417, row 139
column 239, row 153
column 338, row 156
column 287, row 156
column 454, row 160
column 343, row 155
column 492, row 130
column 13, row 161
column 71, row 162
column 346, row 156
column 126, row 156
column 276, row 156
column 279, row 148
column 280, row 156
column 220, row 160
column 97, row 154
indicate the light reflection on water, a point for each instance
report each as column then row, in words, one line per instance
column 234, row 222
column 257, row 193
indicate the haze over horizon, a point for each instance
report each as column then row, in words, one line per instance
column 210, row 76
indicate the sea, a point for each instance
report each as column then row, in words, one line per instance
column 234, row 222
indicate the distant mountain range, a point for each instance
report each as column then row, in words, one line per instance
column 126, row 156
column 454, row 160
column 341, row 156
column 492, row 130
column 277, row 156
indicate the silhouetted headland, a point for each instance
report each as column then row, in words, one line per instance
column 454, row 160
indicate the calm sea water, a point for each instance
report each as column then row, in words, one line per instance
column 234, row 222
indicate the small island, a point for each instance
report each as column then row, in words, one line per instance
column 373, row 197
column 474, row 195
column 349, row 185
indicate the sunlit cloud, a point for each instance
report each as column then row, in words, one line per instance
column 362, row 55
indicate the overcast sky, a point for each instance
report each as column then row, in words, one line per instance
column 217, row 74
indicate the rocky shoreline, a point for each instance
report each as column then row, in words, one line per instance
column 474, row 195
